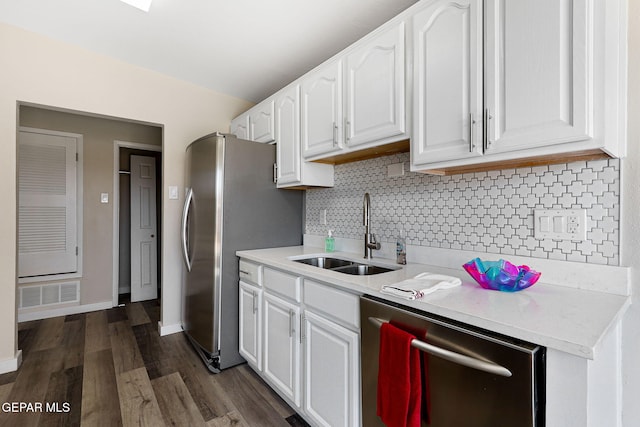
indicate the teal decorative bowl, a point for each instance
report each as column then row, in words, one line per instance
column 501, row 275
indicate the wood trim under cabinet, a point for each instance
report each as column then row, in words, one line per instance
column 367, row 153
column 521, row 163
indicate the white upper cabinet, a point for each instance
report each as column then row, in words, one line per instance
column 375, row 95
column 538, row 81
column 256, row 124
column 261, row 122
column 553, row 85
column 357, row 100
column 240, row 126
column 447, row 82
column 321, row 119
column 287, row 113
column 291, row 170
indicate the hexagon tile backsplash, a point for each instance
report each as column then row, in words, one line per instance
column 484, row 211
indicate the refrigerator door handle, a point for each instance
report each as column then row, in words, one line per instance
column 185, row 219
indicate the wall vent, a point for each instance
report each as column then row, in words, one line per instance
column 49, row 294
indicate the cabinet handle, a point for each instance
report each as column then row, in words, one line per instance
column 335, row 134
column 472, row 125
column 275, row 173
column 255, row 302
column 291, row 322
column 302, row 328
column 347, row 131
column 487, row 130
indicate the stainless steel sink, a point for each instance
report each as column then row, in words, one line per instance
column 344, row 266
column 325, row 262
column 363, row 269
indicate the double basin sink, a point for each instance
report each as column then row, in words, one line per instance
column 344, row 266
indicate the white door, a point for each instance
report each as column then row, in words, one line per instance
column 47, row 203
column 447, row 97
column 376, row 89
column 538, row 73
column 250, row 324
column 282, row 346
column 288, row 135
column 332, row 373
column 321, row 110
column 144, row 253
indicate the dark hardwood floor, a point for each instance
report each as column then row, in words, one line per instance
column 111, row 368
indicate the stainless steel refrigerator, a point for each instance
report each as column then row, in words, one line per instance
column 231, row 204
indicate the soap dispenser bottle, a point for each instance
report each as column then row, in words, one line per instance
column 329, row 242
column 401, row 248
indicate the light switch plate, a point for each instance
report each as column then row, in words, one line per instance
column 173, row 192
column 560, row 224
column 104, row 197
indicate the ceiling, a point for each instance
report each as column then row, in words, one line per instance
column 244, row 48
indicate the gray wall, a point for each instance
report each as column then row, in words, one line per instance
column 96, row 284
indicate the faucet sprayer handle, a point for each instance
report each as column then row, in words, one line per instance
column 374, row 242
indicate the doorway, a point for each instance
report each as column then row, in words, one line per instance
column 137, row 276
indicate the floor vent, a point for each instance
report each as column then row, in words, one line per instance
column 55, row 293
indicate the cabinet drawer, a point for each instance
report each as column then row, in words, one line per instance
column 283, row 284
column 250, row 272
column 341, row 306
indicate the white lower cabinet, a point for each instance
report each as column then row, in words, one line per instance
column 304, row 341
column 250, row 312
column 282, row 346
column 331, row 375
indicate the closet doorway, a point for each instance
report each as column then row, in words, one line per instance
column 139, row 201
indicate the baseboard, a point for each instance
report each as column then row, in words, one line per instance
column 11, row 365
column 169, row 329
column 63, row 311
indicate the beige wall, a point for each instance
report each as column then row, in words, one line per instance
column 38, row 70
column 99, row 134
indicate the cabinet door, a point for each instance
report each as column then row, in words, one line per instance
column 240, row 126
column 538, row 73
column 321, row 110
column 261, row 122
column 447, row 68
column 375, row 95
column 288, row 135
column 332, row 373
column 282, row 346
column 250, row 324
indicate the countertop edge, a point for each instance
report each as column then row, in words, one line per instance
column 441, row 305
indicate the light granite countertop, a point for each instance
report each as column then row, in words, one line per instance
column 563, row 318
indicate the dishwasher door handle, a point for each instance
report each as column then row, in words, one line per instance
column 452, row 356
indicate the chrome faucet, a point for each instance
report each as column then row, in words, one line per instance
column 370, row 242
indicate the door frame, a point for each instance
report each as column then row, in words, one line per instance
column 116, row 205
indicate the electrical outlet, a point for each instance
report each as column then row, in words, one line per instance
column 560, row 224
column 323, row 217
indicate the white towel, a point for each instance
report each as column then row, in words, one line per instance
column 421, row 285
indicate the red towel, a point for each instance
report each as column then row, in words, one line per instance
column 399, row 378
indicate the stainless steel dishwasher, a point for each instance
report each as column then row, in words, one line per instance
column 475, row 378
